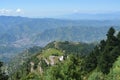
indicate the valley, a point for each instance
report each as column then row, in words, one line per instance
column 18, row 33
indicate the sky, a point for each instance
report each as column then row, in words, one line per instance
column 52, row 8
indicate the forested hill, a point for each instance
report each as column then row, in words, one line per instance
column 52, row 54
column 64, row 61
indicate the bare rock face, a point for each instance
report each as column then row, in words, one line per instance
column 32, row 66
column 52, row 60
column 46, row 61
column 40, row 68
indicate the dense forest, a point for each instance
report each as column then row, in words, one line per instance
column 68, row 61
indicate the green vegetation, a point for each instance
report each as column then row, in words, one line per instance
column 104, row 55
column 51, row 51
column 19, row 66
column 67, row 70
column 114, row 71
column 71, row 47
column 3, row 76
column 71, row 51
column 72, row 61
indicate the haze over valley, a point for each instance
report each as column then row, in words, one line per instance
column 19, row 33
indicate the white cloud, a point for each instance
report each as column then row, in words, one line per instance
column 11, row 11
column 5, row 11
column 18, row 10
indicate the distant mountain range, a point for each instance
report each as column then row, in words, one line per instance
column 93, row 16
column 18, row 33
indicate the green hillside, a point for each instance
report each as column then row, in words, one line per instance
column 74, row 61
column 71, row 61
column 50, row 53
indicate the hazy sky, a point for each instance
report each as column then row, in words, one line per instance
column 51, row 8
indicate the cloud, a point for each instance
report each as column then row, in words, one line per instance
column 11, row 11
column 18, row 10
column 5, row 11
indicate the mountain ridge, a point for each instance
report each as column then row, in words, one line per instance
column 18, row 33
column 93, row 16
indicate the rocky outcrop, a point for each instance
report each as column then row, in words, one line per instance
column 52, row 60
column 40, row 68
column 46, row 61
column 32, row 66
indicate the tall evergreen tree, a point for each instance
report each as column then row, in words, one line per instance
column 111, row 39
column 109, row 53
column 91, row 60
column 118, row 36
column 111, row 32
column 102, row 45
column 2, row 75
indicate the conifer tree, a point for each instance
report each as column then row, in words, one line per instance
column 2, row 75
column 109, row 53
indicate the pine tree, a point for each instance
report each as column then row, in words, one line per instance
column 2, row 75
column 109, row 53
column 91, row 60
column 111, row 39
column 118, row 35
column 110, row 32
column 102, row 45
